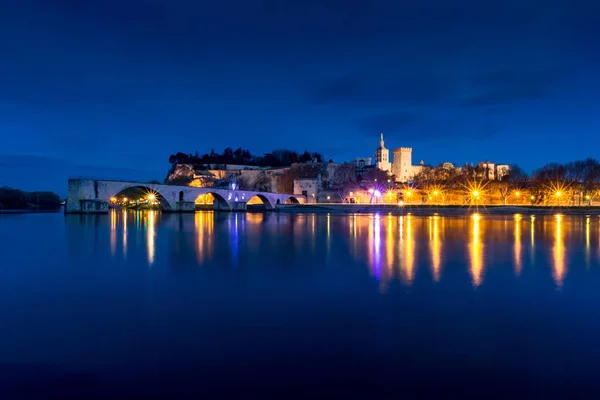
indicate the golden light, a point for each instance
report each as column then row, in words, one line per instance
column 409, row 193
column 389, row 180
column 558, row 193
column 475, row 193
column 351, row 193
column 151, row 197
column 587, row 197
column 371, row 190
column 532, row 197
column 113, row 199
column 435, row 192
column 517, row 193
column 328, row 197
column 125, row 199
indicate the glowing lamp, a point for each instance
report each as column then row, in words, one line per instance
column 532, row 197
column 113, row 199
column 328, row 197
column 476, row 193
column 409, row 193
column 351, row 193
column 377, row 193
column 517, row 194
column 151, row 197
column 371, row 190
column 233, row 186
column 125, row 199
column 435, row 192
column 587, row 197
column 558, row 193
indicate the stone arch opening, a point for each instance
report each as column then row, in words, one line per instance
column 292, row 200
column 181, row 195
column 259, row 202
column 211, row 201
column 139, row 197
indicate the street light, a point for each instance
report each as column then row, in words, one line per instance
column 151, row 197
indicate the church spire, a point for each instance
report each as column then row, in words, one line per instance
column 381, row 141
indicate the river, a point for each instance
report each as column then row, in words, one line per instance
column 222, row 305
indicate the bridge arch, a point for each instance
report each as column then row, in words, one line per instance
column 137, row 194
column 258, row 199
column 292, row 200
column 218, row 201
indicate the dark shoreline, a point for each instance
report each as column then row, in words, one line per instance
column 32, row 211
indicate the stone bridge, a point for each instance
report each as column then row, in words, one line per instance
column 93, row 196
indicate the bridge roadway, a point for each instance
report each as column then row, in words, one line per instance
column 93, row 196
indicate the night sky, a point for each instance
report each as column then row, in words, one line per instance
column 110, row 88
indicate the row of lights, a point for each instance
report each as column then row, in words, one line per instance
column 151, row 199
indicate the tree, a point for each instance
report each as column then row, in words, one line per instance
column 305, row 157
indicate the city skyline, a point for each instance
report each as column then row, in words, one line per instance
column 111, row 89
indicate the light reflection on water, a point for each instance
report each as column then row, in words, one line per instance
column 391, row 247
column 148, row 295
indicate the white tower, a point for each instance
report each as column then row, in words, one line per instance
column 403, row 169
column 382, row 157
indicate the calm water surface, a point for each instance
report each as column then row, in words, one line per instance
column 226, row 305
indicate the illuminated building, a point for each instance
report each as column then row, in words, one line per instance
column 382, row 157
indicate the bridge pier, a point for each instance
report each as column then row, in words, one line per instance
column 185, row 206
column 238, row 206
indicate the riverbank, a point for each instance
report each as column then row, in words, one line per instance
column 435, row 210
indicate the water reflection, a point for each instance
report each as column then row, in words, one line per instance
column 113, row 232
column 151, row 235
column 124, row 233
column 476, row 251
column 408, row 254
column 375, row 245
column 204, row 226
column 388, row 246
column 587, row 242
column 558, row 253
column 518, row 249
column 435, row 246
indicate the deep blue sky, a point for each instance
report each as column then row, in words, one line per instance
column 110, row 88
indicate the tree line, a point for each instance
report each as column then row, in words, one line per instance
column 240, row 156
column 549, row 183
column 15, row 199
